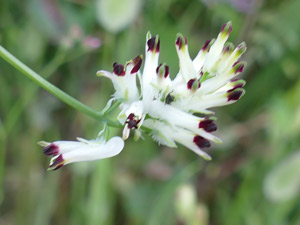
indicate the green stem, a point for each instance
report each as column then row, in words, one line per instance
column 17, row 64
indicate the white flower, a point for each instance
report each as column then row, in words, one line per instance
column 165, row 107
column 65, row 152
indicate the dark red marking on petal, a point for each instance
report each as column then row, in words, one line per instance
column 242, row 48
column 191, row 82
column 234, row 64
column 201, row 142
column 151, row 43
column 223, row 27
column 166, row 71
column 180, row 41
column 132, row 122
column 240, row 68
column 158, row 46
column 208, row 125
column 130, row 116
column 205, row 47
column 240, row 85
column 58, row 163
column 118, row 69
column 137, row 64
column 157, row 69
column 51, row 149
column 226, row 49
column 234, row 96
column 227, row 27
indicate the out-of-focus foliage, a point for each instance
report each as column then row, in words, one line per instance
column 148, row 184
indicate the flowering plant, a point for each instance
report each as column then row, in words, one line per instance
column 151, row 102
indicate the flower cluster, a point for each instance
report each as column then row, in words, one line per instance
column 163, row 107
column 166, row 107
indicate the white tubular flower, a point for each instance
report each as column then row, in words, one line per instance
column 167, row 106
column 124, row 79
column 151, row 63
column 134, row 118
column 65, row 152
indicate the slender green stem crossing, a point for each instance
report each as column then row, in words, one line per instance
column 25, row 70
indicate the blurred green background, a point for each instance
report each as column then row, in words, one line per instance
column 254, row 176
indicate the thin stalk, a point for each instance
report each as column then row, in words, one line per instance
column 25, row 70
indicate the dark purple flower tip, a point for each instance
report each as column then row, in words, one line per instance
column 206, row 45
column 201, row 142
column 208, row 125
column 235, row 94
column 238, row 83
column 181, row 41
column 226, row 28
column 238, row 67
column 118, row 69
column 51, row 149
column 57, row 163
column 193, row 84
column 137, row 61
column 228, row 48
column 162, row 70
column 234, row 64
column 241, row 48
column 132, row 121
column 153, row 44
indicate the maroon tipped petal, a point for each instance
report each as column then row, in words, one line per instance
column 227, row 27
column 234, row 64
column 208, row 125
column 180, row 41
column 223, row 27
column 132, row 122
column 240, row 85
column 153, row 45
column 118, row 69
column 137, row 64
column 58, row 163
column 130, row 116
column 157, row 69
column 242, row 48
column 205, row 47
column 191, row 82
column 238, row 67
column 164, row 70
column 158, row 46
column 234, row 95
column 201, row 142
column 51, row 149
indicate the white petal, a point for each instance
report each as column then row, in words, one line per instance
column 94, row 150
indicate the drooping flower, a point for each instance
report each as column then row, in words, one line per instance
column 65, row 152
column 165, row 108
